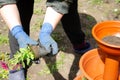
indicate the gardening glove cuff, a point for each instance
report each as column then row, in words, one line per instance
column 17, row 74
column 23, row 39
column 47, row 42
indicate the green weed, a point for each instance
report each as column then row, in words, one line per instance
column 3, row 39
column 53, row 67
column 37, row 25
column 39, row 11
column 96, row 2
column 56, row 37
column 117, row 1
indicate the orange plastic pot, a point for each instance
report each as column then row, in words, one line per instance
column 111, row 70
column 103, row 29
column 92, row 64
column 80, row 77
column 99, row 31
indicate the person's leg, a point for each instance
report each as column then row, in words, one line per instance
column 72, row 27
column 26, row 10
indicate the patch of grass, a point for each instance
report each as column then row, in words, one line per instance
column 53, row 67
column 56, row 37
column 62, row 48
column 117, row 1
column 96, row 2
column 3, row 39
column 28, row 78
column 88, row 34
column 37, row 25
column 39, row 11
column 36, row 1
column 89, row 18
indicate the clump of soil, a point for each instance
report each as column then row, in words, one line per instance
column 112, row 40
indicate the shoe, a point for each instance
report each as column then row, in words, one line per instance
column 84, row 49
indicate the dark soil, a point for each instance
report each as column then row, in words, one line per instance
column 112, row 40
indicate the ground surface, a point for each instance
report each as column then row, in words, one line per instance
column 66, row 60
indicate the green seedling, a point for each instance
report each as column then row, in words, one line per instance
column 3, row 73
column 3, row 39
column 84, row 78
column 53, row 67
column 24, row 54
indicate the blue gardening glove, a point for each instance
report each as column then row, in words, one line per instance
column 16, row 74
column 46, row 40
column 22, row 38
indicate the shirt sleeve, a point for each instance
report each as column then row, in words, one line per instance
column 5, row 2
column 61, row 6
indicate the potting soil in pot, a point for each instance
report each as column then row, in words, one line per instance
column 112, row 40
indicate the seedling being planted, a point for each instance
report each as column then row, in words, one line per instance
column 7, row 64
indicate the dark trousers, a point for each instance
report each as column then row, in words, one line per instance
column 72, row 26
column 70, row 22
column 25, row 8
